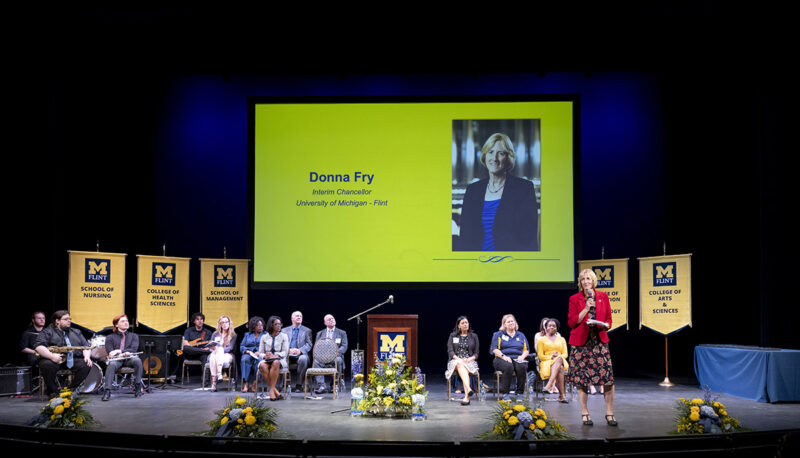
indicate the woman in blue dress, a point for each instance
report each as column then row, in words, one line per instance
column 249, row 350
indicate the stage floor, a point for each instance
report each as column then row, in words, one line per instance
column 642, row 407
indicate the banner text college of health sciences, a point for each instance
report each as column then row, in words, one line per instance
column 162, row 293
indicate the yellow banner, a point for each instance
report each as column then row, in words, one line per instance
column 612, row 279
column 162, row 292
column 223, row 289
column 96, row 288
column 665, row 285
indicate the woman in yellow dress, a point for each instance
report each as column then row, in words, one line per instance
column 552, row 352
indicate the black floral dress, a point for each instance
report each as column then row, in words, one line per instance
column 590, row 364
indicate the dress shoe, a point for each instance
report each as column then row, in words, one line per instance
column 106, row 395
column 137, row 392
column 320, row 389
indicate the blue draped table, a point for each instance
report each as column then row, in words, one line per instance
column 757, row 373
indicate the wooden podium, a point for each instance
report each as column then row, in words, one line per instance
column 391, row 334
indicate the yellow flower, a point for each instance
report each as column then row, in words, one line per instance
column 59, row 408
column 694, row 416
column 695, row 409
column 271, row 427
column 223, row 421
column 507, row 414
column 392, row 386
column 52, row 417
column 682, row 400
column 540, row 413
column 247, row 410
column 513, row 421
column 240, row 421
column 387, row 401
column 66, row 403
column 389, row 372
column 723, row 412
column 79, row 420
column 697, row 401
column 532, row 426
column 519, row 407
column 66, row 394
column 540, row 424
column 359, row 377
column 419, row 387
column 250, row 420
column 240, row 401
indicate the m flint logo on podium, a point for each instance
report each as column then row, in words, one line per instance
column 665, row 274
column 225, row 276
column 391, row 343
column 164, row 273
column 605, row 276
column 98, row 270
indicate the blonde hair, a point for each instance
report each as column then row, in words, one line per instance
column 507, row 146
column 228, row 335
column 503, row 322
column 591, row 274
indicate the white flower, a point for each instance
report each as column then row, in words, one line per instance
column 707, row 411
column 418, row 399
column 55, row 402
column 235, row 414
column 357, row 393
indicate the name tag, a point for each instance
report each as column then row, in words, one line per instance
column 338, row 340
column 505, row 338
column 455, row 340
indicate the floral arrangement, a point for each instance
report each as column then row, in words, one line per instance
column 244, row 417
column 518, row 421
column 391, row 389
column 64, row 411
column 698, row 416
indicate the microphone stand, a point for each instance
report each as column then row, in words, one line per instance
column 357, row 317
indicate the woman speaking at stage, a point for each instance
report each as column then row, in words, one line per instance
column 273, row 349
column 499, row 213
column 510, row 348
column 462, row 348
column 590, row 361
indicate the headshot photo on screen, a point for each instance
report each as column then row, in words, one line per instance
column 496, row 185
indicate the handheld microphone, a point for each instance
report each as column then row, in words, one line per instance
column 391, row 299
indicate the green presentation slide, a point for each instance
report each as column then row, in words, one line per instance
column 388, row 192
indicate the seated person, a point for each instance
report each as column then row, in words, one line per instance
column 462, row 350
column 61, row 334
column 28, row 339
column 552, row 351
column 338, row 336
column 122, row 343
column 221, row 346
column 195, row 340
column 273, row 348
column 249, row 351
column 510, row 350
column 299, row 346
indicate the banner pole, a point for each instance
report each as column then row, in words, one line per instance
column 666, row 381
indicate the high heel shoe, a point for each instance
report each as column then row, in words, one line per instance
column 611, row 420
column 587, row 420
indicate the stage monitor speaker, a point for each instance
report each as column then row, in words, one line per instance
column 15, row 380
column 160, row 348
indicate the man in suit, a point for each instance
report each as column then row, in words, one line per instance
column 299, row 346
column 338, row 336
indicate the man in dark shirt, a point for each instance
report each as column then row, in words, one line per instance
column 28, row 339
column 122, row 344
column 196, row 334
column 61, row 334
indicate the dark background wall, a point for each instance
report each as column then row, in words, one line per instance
column 136, row 132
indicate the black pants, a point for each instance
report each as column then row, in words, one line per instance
column 48, row 369
column 508, row 370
